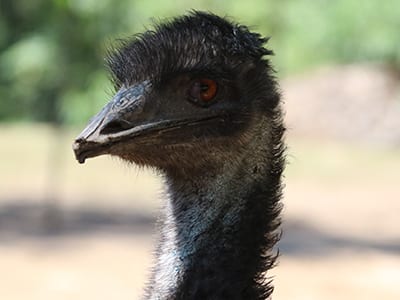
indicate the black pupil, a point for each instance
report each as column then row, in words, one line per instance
column 204, row 87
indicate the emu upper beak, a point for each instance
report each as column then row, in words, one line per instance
column 115, row 121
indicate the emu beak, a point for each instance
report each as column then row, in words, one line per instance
column 112, row 123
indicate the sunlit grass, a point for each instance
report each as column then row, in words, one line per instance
column 335, row 161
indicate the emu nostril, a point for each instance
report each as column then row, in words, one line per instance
column 115, row 126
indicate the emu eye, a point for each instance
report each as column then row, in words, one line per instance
column 203, row 90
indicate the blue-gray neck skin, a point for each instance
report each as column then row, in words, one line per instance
column 218, row 229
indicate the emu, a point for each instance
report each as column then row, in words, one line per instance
column 196, row 99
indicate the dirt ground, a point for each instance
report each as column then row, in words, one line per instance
column 69, row 231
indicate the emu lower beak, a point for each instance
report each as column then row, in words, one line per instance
column 115, row 121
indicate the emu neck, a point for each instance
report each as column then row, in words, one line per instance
column 218, row 231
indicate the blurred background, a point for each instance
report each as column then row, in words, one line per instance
column 70, row 231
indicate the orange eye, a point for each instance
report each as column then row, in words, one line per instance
column 203, row 90
column 208, row 89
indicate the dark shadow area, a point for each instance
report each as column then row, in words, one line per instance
column 302, row 238
column 22, row 219
column 19, row 220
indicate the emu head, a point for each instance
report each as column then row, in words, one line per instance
column 187, row 95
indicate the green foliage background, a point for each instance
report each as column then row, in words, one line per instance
column 51, row 52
